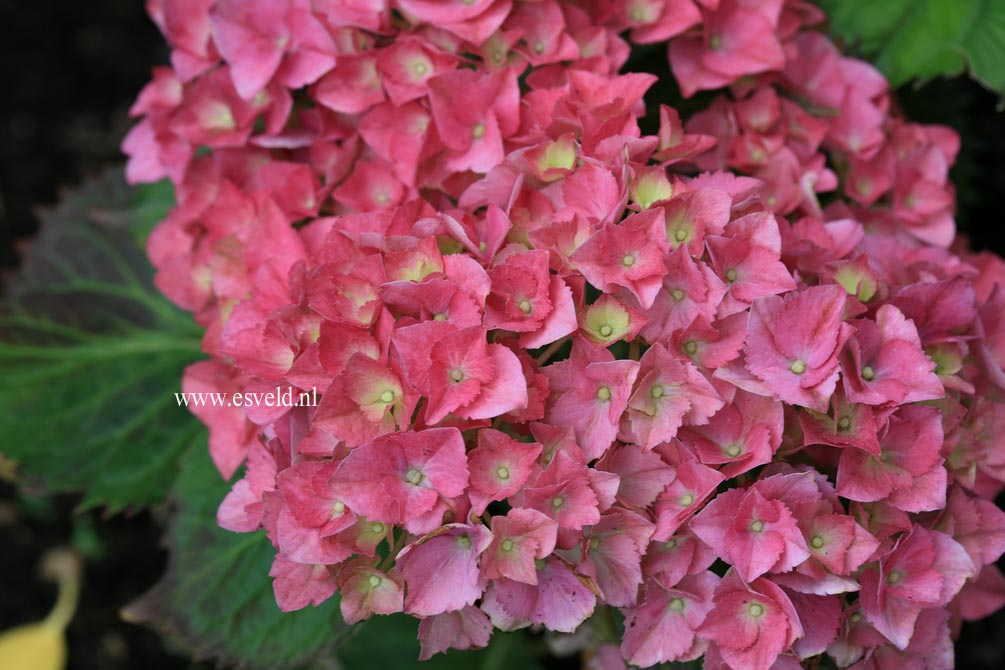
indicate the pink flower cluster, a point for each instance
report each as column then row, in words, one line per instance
column 728, row 379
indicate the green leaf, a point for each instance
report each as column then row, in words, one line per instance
column 216, row 596
column 391, row 642
column 91, row 354
column 921, row 39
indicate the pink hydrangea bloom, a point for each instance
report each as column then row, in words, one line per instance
column 565, row 366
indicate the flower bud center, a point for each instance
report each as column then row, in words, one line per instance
column 757, row 526
column 657, row 391
column 604, row 393
column 797, row 367
column 628, row 260
column 606, row 331
column 502, row 472
column 868, row 373
column 478, row 131
column 816, row 542
column 456, row 375
column 413, row 476
column 677, row 294
column 373, row 581
column 507, row 544
column 525, row 306
column 687, row 499
column 387, row 396
column 755, row 609
column 690, row 347
column 677, row 604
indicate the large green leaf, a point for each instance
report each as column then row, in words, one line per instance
column 91, row 353
column 216, row 596
column 921, row 39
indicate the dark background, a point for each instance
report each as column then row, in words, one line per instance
column 68, row 73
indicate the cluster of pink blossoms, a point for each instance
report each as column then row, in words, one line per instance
column 728, row 379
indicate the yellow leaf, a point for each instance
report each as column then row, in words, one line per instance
column 33, row 646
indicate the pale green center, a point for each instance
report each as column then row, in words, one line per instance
column 731, row 275
column 502, row 472
column 605, row 331
column 413, row 476
column 755, row 609
column 757, row 525
column 657, row 391
column 507, row 544
column 844, row 423
column 893, row 577
column 687, row 499
column 680, row 235
column 733, row 450
column 456, row 375
column 557, row 502
column 677, row 604
column 868, row 373
column 387, row 396
column 628, row 260
column 677, row 294
column 525, row 306
column 373, row 581
column 690, row 347
column 816, row 542
column 478, row 131
column 797, row 367
column 604, row 393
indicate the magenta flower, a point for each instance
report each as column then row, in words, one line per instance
column 398, row 477
column 925, row 569
column 752, row 532
column 662, row 628
column 750, row 624
column 886, row 363
column 561, row 600
column 519, row 539
column 440, row 570
column 793, row 344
